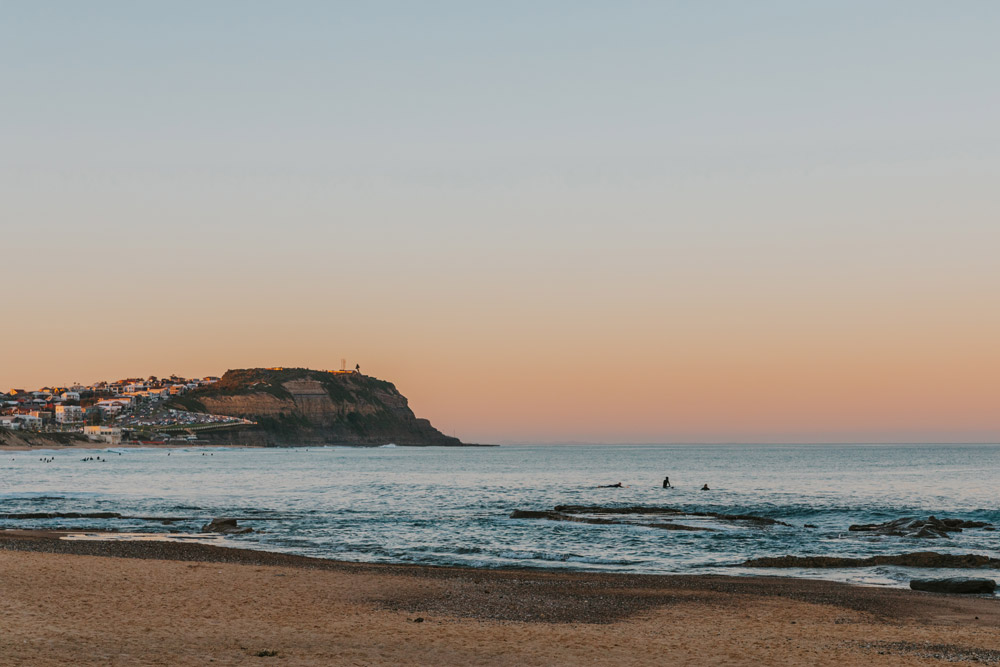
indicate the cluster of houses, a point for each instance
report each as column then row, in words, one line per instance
column 85, row 408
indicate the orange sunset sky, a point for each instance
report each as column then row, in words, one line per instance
column 621, row 222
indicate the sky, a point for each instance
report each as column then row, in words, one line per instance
column 543, row 221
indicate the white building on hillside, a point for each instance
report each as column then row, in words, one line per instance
column 33, row 422
column 66, row 414
column 109, row 434
column 13, row 422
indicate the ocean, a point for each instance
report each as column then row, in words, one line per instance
column 452, row 506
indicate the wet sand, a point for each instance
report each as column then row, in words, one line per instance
column 162, row 603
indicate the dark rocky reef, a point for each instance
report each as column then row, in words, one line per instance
column 960, row 585
column 639, row 509
column 916, row 559
column 298, row 406
column 62, row 515
column 559, row 516
column 225, row 526
column 586, row 514
column 932, row 527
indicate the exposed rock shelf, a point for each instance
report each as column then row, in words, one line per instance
column 959, row 585
column 931, row 527
column 917, row 559
column 598, row 515
column 640, row 509
column 559, row 516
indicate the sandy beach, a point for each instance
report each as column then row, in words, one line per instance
column 161, row 603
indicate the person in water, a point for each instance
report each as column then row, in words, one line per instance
column 705, row 488
column 610, row 486
column 666, row 482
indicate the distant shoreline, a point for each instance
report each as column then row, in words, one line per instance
column 85, row 446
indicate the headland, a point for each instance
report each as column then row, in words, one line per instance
column 266, row 407
column 299, row 406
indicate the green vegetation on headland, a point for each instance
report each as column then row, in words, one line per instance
column 339, row 385
column 299, row 406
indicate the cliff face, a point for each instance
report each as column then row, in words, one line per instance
column 306, row 407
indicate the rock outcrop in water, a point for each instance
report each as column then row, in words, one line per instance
column 640, row 509
column 595, row 514
column 917, row 559
column 298, row 406
column 960, row 585
column 225, row 526
column 932, row 527
column 61, row 515
column 559, row 516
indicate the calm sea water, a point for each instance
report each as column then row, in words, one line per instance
column 451, row 506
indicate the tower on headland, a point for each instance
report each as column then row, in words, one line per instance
column 343, row 369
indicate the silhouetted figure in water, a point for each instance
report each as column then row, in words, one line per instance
column 666, row 482
column 610, row 486
column 705, row 488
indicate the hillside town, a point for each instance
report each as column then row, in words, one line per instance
column 125, row 410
